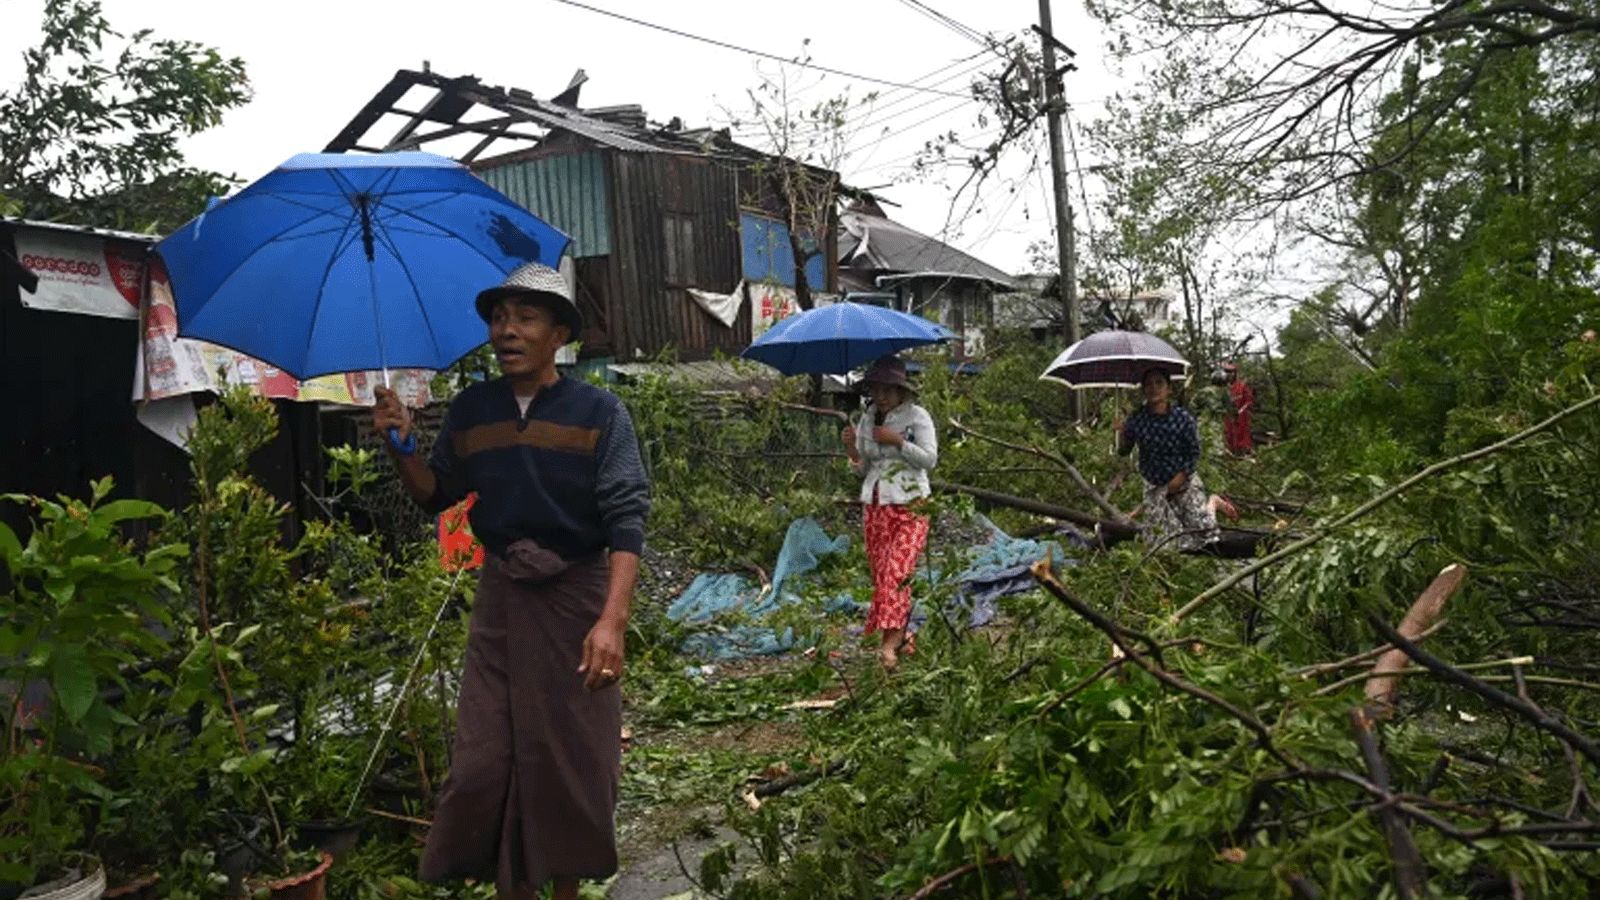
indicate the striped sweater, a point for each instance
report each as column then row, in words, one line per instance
column 567, row 473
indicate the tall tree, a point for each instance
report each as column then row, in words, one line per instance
column 805, row 143
column 92, row 131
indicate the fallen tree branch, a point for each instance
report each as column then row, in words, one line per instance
column 839, row 414
column 1066, row 465
column 779, row 785
column 1312, row 538
column 934, row 884
column 1371, row 676
column 1043, row 574
column 1280, row 506
column 1364, row 656
column 1533, row 714
column 1422, row 615
column 398, row 818
column 1108, row 527
column 1410, row 879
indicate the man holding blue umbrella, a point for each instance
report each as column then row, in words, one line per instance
column 561, row 503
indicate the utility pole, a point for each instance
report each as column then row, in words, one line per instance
column 1065, row 241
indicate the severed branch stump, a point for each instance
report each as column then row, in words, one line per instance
column 1419, row 619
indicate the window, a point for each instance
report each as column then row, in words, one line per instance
column 679, row 231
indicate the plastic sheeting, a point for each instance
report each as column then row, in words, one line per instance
column 994, row 568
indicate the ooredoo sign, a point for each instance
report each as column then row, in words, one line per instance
column 82, row 273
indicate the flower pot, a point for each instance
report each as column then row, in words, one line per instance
column 75, row 885
column 312, row 885
column 241, row 851
column 335, row 836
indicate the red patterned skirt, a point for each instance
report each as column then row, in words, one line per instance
column 895, row 537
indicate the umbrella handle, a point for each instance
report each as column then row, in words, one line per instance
column 407, row 446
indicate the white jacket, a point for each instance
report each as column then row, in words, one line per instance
column 900, row 474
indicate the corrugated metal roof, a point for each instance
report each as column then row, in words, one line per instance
column 609, row 134
column 80, row 229
column 710, row 374
column 888, row 245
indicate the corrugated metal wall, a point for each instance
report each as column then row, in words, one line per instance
column 698, row 196
column 646, row 227
column 568, row 191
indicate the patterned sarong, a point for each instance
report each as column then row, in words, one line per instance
column 895, row 537
column 1186, row 519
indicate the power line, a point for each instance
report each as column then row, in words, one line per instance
column 875, row 111
column 871, row 113
column 772, row 56
column 971, row 34
column 1083, row 190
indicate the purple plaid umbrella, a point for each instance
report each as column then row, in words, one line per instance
column 1115, row 359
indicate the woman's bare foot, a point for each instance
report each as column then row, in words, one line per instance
column 1221, row 507
column 889, row 658
column 889, row 653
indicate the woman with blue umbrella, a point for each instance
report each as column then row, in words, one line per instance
column 893, row 448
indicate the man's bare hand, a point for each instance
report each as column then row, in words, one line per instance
column 388, row 412
column 603, row 654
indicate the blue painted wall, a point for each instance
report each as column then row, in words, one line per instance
column 767, row 256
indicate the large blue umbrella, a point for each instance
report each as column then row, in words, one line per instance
column 344, row 263
column 834, row 339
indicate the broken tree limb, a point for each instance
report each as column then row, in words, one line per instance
column 1118, row 635
column 1312, row 538
column 1421, row 616
column 779, row 785
column 1108, row 527
column 934, row 884
column 1579, row 798
column 1410, row 878
column 1066, row 465
column 1369, row 676
column 1364, row 656
column 1533, row 714
column 839, row 414
column 1278, row 506
column 1236, row 543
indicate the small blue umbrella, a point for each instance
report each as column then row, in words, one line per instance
column 834, row 339
column 346, row 263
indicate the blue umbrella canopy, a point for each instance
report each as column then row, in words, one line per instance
column 342, row 263
column 1115, row 359
column 834, row 339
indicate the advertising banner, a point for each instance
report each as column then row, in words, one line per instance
column 768, row 304
column 82, row 273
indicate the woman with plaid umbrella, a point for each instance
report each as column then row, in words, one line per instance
column 1168, row 439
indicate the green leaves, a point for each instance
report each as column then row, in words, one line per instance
column 73, row 678
column 92, row 133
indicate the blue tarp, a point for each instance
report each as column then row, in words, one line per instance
column 993, row 569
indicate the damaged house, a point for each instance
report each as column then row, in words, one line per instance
column 898, row 266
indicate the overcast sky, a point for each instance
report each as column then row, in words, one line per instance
column 314, row 63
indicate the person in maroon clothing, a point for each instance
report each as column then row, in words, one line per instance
column 1236, row 424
